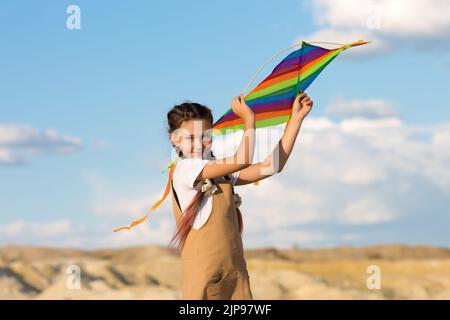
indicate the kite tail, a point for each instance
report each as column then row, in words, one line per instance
column 157, row 203
column 354, row 44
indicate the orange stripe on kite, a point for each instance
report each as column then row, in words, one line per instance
column 258, row 117
column 283, row 77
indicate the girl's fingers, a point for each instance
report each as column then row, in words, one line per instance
column 241, row 99
column 301, row 97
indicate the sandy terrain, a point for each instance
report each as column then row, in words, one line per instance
column 150, row 272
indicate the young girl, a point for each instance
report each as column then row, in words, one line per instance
column 209, row 223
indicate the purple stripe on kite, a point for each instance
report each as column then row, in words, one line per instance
column 305, row 58
column 301, row 51
column 273, row 104
column 310, row 56
column 281, row 72
column 290, row 68
column 288, row 62
column 289, row 57
column 262, row 106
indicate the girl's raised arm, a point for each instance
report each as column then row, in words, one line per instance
column 244, row 154
column 276, row 161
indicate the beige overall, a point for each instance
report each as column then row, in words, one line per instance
column 212, row 259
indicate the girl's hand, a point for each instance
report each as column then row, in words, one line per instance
column 302, row 106
column 242, row 109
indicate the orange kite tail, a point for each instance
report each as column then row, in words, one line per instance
column 154, row 206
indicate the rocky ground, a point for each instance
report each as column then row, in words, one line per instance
column 150, row 272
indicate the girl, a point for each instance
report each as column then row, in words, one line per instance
column 209, row 223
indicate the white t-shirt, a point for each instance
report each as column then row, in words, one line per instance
column 184, row 175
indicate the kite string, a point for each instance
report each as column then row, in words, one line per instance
column 333, row 43
column 276, row 55
column 263, row 66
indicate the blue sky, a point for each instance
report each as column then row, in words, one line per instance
column 105, row 90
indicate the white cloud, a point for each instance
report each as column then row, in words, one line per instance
column 441, row 136
column 371, row 108
column 419, row 23
column 18, row 142
column 111, row 202
column 343, row 174
column 156, row 230
column 375, row 47
column 353, row 172
column 34, row 230
column 116, row 208
column 367, row 210
column 272, row 206
column 283, row 237
column 63, row 233
column 358, row 171
column 401, row 18
column 6, row 157
column 382, row 145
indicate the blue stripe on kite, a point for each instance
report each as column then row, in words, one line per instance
column 304, row 84
column 272, row 97
column 300, row 51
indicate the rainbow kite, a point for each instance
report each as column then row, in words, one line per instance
column 271, row 100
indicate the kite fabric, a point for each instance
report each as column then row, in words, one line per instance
column 271, row 100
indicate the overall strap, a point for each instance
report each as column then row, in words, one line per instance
column 227, row 177
column 175, row 195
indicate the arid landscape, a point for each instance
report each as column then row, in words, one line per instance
column 151, row 272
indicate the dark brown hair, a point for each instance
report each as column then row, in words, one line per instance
column 184, row 112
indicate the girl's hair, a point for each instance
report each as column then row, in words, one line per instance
column 184, row 112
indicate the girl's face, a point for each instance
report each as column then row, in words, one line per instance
column 193, row 138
